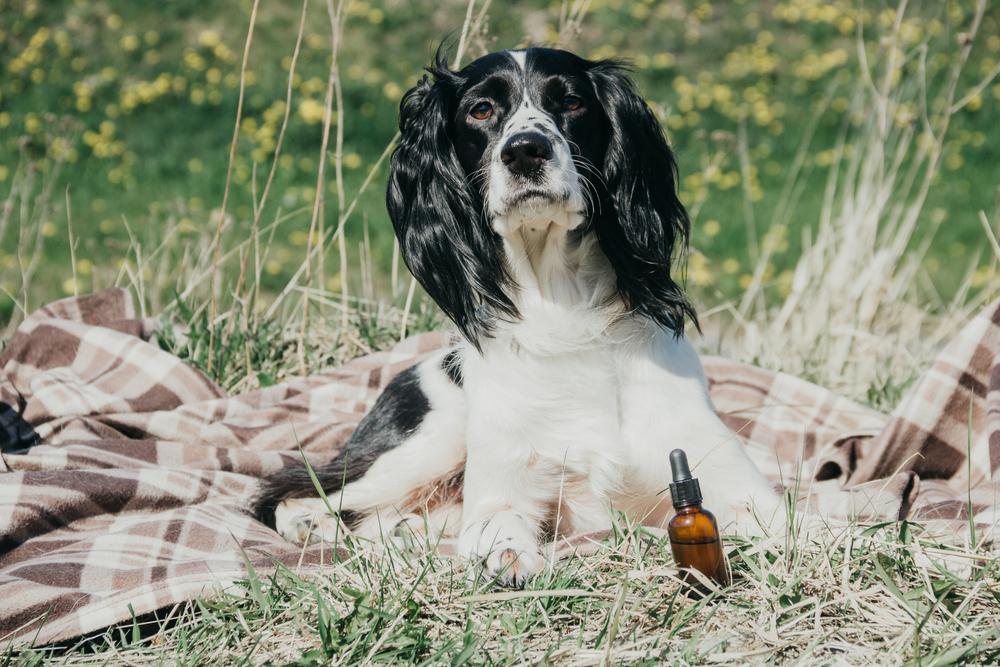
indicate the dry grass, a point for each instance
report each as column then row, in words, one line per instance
column 849, row 596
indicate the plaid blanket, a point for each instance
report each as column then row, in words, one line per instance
column 125, row 473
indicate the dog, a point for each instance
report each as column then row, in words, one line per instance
column 533, row 194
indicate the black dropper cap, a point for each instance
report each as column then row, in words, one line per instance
column 684, row 490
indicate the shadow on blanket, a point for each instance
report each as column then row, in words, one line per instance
column 124, row 472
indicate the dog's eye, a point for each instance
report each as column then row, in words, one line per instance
column 481, row 110
column 572, row 103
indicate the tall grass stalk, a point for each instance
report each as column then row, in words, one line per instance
column 229, row 172
column 332, row 93
column 259, row 205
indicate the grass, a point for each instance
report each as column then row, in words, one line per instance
column 834, row 280
column 850, row 595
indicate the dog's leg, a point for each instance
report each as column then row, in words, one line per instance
column 507, row 500
column 667, row 372
column 393, row 488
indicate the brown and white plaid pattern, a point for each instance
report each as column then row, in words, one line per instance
column 124, row 473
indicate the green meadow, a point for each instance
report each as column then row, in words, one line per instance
column 117, row 118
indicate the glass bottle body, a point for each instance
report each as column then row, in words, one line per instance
column 696, row 544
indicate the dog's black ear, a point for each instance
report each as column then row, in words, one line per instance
column 644, row 222
column 444, row 237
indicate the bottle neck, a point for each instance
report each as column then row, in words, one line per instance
column 688, row 508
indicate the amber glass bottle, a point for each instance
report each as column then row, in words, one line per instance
column 694, row 535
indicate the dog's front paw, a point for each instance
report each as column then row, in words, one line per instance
column 305, row 520
column 503, row 549
column 511, row 565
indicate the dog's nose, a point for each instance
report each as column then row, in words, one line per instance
column 526, row 153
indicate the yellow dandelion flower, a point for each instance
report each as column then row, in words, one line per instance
column 113, row 21
column 698, row 270
column 195, row 166
column 663, row 60
column 106, row 226
column 730, row 266
column 84, row 267
column 222, row 52
column 209, row 38
column 640, row 11
column 393, row 91
column 981, row 276
column 352, row 160
column 712, row 228
column 311, row 111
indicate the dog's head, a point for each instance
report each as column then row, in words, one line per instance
column 527, row 140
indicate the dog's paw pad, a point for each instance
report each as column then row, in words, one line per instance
column 297, row 520
column 512, row 567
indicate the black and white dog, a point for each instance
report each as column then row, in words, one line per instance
column 533, row 194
